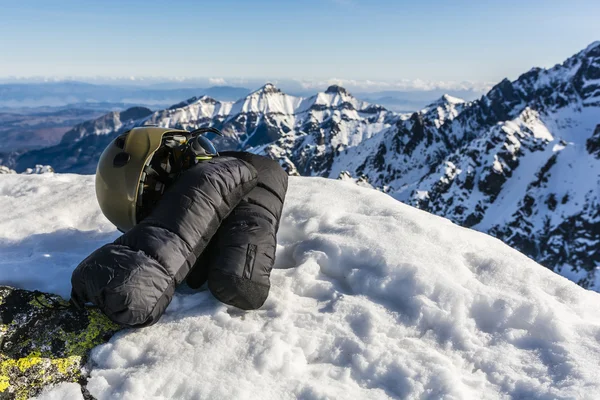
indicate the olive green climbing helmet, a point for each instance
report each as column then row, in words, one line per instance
column 135, row 168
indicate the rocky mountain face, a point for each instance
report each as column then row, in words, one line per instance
column 522, row 163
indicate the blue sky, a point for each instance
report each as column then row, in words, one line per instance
column 310, row 39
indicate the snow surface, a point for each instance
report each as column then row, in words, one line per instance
column 62, row 391
column 371, row 299
column 49, row 222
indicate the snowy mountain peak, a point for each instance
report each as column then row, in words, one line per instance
column 595, row 45
column 575, row 81
column 336, row 97
column 445, row 101
column 267, row 88
column 452, row 100
column 207, row 100
column 267, row 99
column 444, row 109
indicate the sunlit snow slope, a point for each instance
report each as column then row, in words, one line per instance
column 371, row 299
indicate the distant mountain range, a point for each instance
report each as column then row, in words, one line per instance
column 521, row 163
column 33, row 97
column 35, row 115
column 31, row 129
column 77, row 94
column 404, row 101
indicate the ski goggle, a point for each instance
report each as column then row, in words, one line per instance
column 202, row 148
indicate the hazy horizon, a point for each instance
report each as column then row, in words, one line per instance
column 298, row 86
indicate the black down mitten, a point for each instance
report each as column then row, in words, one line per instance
column 239, row 259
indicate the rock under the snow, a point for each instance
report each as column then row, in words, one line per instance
column 45, row 341
column 362, row 180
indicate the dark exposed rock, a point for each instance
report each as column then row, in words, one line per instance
column 473, row 219
column 379, row 160
column 491, row 184
column 574, row 242
column 373, row 109
column 469, row 183
column 319, row 107
column 542, row 174
column 551, row 202
column 502, row 101
column 335, row 89
column 416, row 135
column 593, row 143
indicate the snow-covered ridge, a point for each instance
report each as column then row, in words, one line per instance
column 370, row 299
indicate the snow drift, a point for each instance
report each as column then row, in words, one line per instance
column 371, row 299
